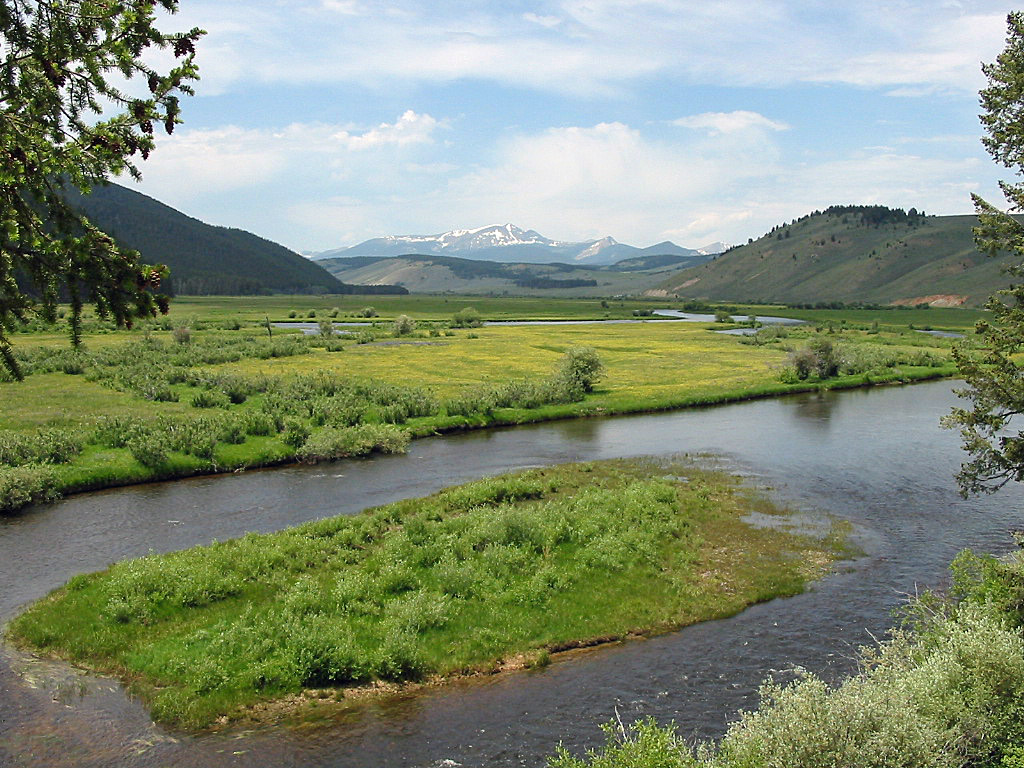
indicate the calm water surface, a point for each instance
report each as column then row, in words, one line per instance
column 876, row 457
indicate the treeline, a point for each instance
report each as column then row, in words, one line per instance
column 866, row 215
column 874, row 215
column 848, row 305
column 239, row 285
column 548, row 282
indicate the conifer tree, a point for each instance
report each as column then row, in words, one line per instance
column 990, row 426
column 80, row 102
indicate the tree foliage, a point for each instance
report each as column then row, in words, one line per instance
column 80, row 102
column 995, row 382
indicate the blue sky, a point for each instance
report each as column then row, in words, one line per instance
column 321, row 123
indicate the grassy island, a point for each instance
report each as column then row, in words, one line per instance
column 495, row 574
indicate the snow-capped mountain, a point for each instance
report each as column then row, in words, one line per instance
column 713, row 249
column 506, row 243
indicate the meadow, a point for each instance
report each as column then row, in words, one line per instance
column 211, row 389
column 492, row 575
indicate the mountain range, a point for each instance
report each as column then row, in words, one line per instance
column 431, row 273
column 509, row 243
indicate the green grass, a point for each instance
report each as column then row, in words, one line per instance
column 425, row 384
column 425, row 307
column 499, row 572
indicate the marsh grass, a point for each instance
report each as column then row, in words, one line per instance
column 510, row 567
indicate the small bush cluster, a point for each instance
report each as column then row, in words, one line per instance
column 822, row 359
column 467, row 317
column 43, row 446
column 333, row 443
column 24, row 485
column 403, row 325
column 574, row 376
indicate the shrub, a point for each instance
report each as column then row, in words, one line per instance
column 581, row 367
column 116, row 431
column 334, row 312
column 326, row 328
column 30, row 484
column 181, row 335
column 232, row 431
column 150, row 449
column 295, row 432
column 820, row 357
column 721, row 316
column 338, row 443
column 467, row 318
column 293, row 314
column 210, row 398
column 311, row 314
column 368, row 312
column 403, row 325
column 259, row 423
column 480, row 401
column 44, row 446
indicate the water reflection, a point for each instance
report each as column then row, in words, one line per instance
column 816, row 408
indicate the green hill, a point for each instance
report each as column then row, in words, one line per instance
column 205, row 259
column 850, row 254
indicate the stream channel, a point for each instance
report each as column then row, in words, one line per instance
column 876, row 457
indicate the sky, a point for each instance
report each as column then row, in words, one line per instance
column 322, row 123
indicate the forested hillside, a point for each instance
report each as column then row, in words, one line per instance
column 205, row 259
column 852, row 253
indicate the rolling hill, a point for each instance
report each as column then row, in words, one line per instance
column 850, row 254
column 205, row 259
column 429, row 273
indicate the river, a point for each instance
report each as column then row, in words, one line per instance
column 876, row 457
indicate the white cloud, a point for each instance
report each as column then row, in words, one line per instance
column 213, row 161
column 544, row 21
column 581, row 182
column 410, row 128
column 253, row 175
column 730, row 122
column 309, row 186
column 598, row 46
column 345, row 7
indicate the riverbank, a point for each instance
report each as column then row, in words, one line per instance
column 503, row 571
column 944, row 690
column 99, row 469
column 152, row 409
